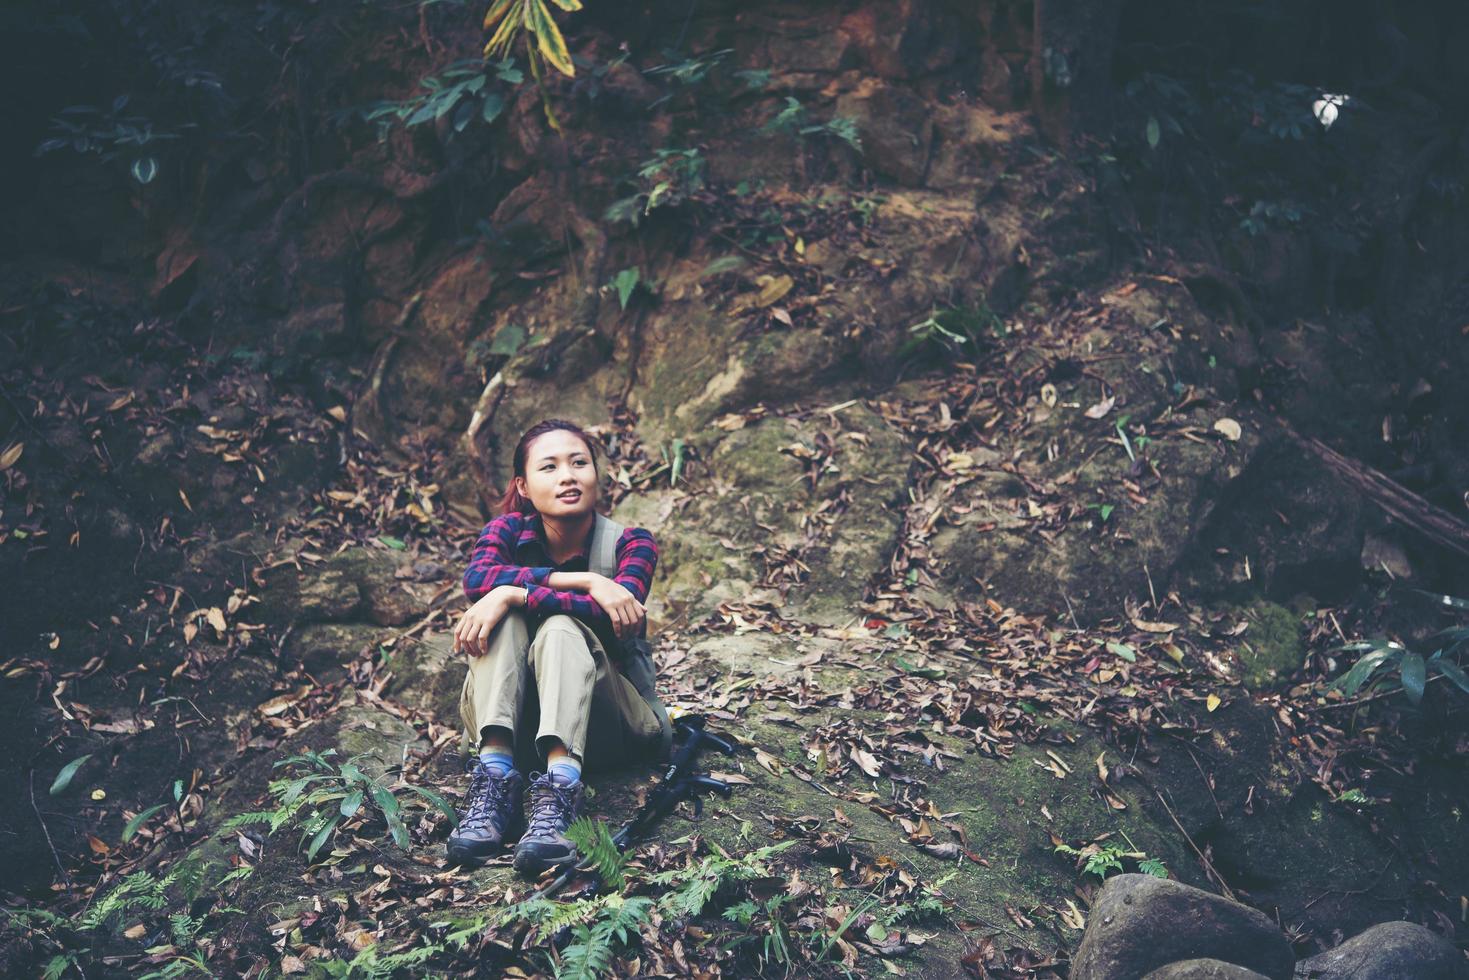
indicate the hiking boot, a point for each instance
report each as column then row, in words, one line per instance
column 554, row 805
column 492, row 815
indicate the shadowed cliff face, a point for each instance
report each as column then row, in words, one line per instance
column 976, row 527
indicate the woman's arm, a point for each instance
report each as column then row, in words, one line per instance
column 492, row 564
column 559, row 592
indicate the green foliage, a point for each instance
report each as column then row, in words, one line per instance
column 688, row 71
column 141, row 891
column 669, row 178
column 1382, row 657
column 594, row 843
column 625, row 282
column 471, row 90
column 109, row 134
column 1265, row 215
column 513, row 19
column 1102, row 858
column 327, row 796
column 956, row 331
column 592, row 947
column 794, row 119
column 697, row 884
column 64, row 777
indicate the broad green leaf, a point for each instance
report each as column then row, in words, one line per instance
column 1154, row 133
column 1414, row 675
column 395, row 543
column 322, row 836
column 138, row 821
column 63, row 778
column 1350, row 682
column 1454, row 673
column 677, row 467
column 625, row 282
column 1122, row 650
column 351, row 803
column 1452, row 602
column 444, row 806
column 493, row 105
column 386, row 802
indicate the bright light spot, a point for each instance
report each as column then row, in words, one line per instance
column 1327, row 107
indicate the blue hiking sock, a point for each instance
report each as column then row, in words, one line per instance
column 498, row 761
column 565, row 770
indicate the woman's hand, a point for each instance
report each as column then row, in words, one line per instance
column 479, row 621
column 627, row 613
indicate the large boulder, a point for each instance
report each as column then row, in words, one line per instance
column 1140, row 923
column 1203, row 970
column 1389, row 951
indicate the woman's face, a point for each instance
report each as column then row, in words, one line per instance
column 560, row 478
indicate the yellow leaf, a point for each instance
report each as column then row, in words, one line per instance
column 506, row 33
column 773, row 288
column 9, row 457
column 344, row 496
column 497, row 12
column 216, row 619
column 120, row 402
column 337, row 412
column 99, row 794
column 548, row 37
column 1212, row 702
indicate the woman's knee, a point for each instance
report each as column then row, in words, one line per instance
column 510, row 634
column 561, row 636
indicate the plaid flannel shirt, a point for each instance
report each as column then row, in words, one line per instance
column 511, row 550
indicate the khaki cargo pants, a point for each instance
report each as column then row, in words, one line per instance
column 559, row 683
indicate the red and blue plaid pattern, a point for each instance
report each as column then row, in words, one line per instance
column 511, row 551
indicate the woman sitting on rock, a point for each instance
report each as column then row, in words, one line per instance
column 558, row 667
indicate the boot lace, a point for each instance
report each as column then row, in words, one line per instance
column 551, row 806
column 487, row 795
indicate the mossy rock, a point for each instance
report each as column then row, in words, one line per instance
column 1273, row 648
column 751, row 511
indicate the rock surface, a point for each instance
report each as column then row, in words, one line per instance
column 1389, row 951
column 1140, row 923
column 1203, row 970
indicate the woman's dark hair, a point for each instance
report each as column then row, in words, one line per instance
column 512, row 502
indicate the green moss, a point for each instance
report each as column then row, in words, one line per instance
column 1272, row 648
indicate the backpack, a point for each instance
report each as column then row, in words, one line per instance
column 636, row 662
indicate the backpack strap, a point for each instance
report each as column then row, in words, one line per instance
column 637, row 660
column 602, row 555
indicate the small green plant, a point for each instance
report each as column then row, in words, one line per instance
column 864, row 208
column 1382, row 657
column 669, row 178
column 793, row 118
column 329, row 795
column 469, row 89
column 1103, row 857
column 625, row 283
column 1265, row 215
column 109, row 133
column 956, row 331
